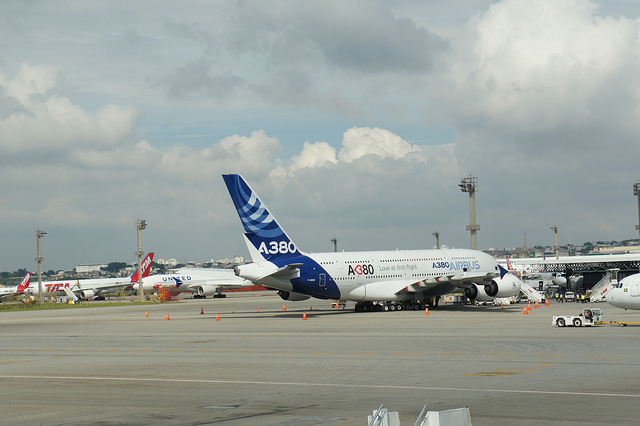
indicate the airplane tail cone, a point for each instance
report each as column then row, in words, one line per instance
column 304, row 316
column 167, row 317
column 426, row 311
column 146, row 314
column 217, row 317
column 201, row 311
column 526, row 311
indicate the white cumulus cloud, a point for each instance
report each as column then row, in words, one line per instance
column 358, row 142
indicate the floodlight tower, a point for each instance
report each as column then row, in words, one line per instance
column 470, row 185
column 437, row 235
column 555, row 230
column 140, row 225
column 335, row 244
column 39, row 259
column 636, row 192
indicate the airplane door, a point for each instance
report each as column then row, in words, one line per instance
column 635, row 289
column 323, row 280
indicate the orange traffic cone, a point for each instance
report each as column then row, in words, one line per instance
column 536, row 306
column 546, row 302
column 526, row 311
column 217, row 317
column 529, row 306
column 284, row 307
column 146, row 314
column 426, row 311
column 304, row 315
column 201, row 311
column 501, row 307
column 167, row 317
column 258, row 309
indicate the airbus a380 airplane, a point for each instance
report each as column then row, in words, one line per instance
column 412, row 277
column 626, row 294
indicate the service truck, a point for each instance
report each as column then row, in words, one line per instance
column 588, row 317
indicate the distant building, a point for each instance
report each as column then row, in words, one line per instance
column 87, row 269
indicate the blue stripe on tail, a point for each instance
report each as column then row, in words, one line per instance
column 260, row 226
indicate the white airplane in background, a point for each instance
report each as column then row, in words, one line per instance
column 203, row 281
column 372, row 279
column 92, row 288
column 19, row 289
column 626, row 294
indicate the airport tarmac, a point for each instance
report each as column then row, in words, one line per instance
column 113, row 365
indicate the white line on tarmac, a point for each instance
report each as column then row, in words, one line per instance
column 337, row 385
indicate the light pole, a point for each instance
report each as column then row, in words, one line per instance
column 555, row 230
column 636, row 191
column 335, row 244
column 39, row 259
column 437, row 235
column 140, row 225
column 470, row 185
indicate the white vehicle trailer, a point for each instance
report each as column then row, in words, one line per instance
column 588, row 317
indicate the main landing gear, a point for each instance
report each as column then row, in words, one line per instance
column 396, row 306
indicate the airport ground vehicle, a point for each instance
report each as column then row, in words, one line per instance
column 569, row 296
column 588, row 317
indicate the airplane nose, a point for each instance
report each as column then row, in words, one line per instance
column 609, row 296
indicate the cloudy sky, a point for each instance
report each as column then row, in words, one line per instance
column 351, row 119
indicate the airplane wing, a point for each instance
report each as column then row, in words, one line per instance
column 441, row 283
column 79, row 290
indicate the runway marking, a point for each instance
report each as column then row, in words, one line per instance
column 548, row 365
column 336, row 385
column 502, row 355
column 500, row 373
column 407, row 354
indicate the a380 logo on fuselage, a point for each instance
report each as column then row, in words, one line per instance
column 361, row 270
column 277, row 247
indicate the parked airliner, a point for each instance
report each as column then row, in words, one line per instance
column 626, row 294
column 16, row 290
column 372, row 279
column 202, row 281
column 91, row 288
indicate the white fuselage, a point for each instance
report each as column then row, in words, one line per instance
column 55, row 288
column 626, row 294
column 377, row 275
column 194, row 280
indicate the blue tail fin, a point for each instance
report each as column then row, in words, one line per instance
column 265, row 239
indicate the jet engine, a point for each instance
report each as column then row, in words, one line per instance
column 207, row 290
column 294, row 297
column 506, row 286
column 87, row 294
column 559, row 280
